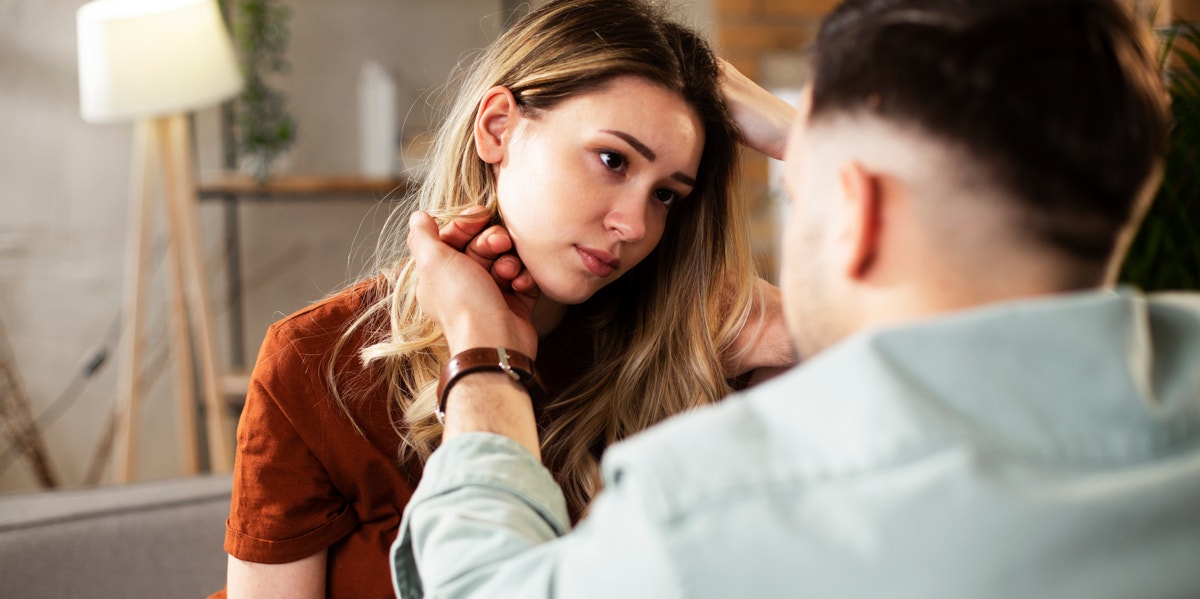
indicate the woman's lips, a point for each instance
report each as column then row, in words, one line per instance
column 598, row 262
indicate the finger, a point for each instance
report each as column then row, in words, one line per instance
column 524, row 284
column 423, row 239
column 526, row 290
column 464, row 227
column 504, row 270
column 489, row 245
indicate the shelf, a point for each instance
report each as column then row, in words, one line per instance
column 238, row 187
column 240, row 184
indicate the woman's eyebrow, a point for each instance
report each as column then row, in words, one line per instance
column 635, row 143
column 642, row 149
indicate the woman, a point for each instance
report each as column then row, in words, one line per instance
column 595, row 131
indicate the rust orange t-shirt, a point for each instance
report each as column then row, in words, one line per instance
column 304, row 478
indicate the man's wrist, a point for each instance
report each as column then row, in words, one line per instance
column 491, row 402
column 514, row 364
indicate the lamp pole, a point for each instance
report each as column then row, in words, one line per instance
column 153, row 62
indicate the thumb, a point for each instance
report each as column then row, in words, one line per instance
column 423, row 241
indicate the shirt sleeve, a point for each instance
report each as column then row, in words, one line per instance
column 284, row 506
column 488, row 520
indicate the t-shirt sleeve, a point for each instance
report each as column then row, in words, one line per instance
column 285, row 506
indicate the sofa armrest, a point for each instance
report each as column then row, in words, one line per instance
column 151, row 539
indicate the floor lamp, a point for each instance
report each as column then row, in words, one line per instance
column 151, row 62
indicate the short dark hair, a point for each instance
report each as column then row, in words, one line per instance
column 1060, row 102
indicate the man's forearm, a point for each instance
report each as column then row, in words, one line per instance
column 483, row 504
column 491, row 402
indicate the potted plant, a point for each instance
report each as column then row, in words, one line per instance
column 1166, row 252
column 264, row 128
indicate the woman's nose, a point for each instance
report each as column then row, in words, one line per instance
column 627, row 217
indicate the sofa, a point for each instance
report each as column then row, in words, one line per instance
column 159, row 539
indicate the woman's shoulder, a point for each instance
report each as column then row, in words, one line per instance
column 312, row 332
column 332, row 315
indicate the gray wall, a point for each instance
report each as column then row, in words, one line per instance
column 64, row 186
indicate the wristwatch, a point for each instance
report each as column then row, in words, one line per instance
column 482, row 359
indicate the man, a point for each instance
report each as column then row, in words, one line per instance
column 979, row 414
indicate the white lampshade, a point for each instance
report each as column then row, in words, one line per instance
column 147, row 58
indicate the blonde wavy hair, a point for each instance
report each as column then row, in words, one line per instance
column 659, row 332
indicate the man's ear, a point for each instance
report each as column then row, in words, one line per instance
column 492, row 122
column 861, row 194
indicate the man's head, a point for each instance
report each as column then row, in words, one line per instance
column 955, row 152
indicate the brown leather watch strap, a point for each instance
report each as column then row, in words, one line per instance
column 482, row 359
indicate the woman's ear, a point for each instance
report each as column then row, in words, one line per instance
column 497, row 112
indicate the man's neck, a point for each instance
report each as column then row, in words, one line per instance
column 932, row 299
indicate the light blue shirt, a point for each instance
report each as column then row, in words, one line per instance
column 1046, row 448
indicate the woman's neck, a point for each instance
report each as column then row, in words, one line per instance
column 547, row 314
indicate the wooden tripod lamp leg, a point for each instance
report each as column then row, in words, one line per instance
column 168, row 138
column 181, row 336
column 183, row 219
column 141, row 216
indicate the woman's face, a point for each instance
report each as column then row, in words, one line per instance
column 585, row 188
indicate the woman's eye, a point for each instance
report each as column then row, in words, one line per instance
column 666, row 196
column 613, row 161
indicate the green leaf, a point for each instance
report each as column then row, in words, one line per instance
column 264, row 127
column 1166, row 252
